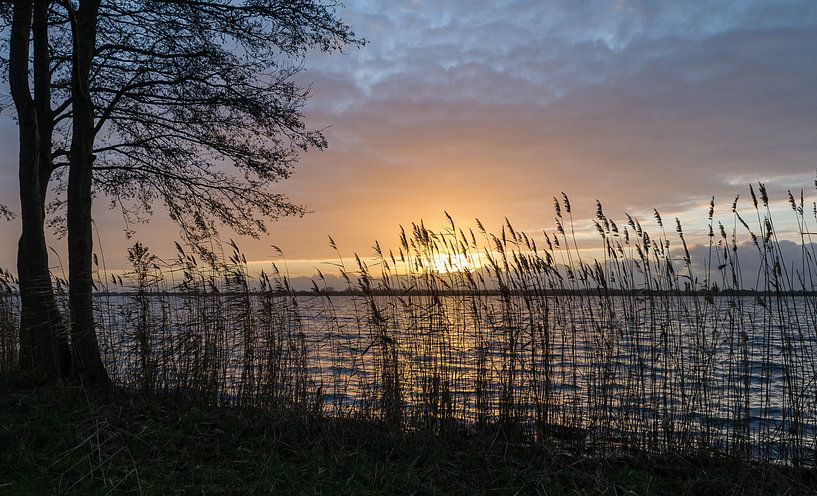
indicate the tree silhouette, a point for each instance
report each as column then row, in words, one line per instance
column 191, row 104
column 43, row 341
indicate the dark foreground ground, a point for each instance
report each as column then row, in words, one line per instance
column 58, row 441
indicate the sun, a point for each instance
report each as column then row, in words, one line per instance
column 445, row 263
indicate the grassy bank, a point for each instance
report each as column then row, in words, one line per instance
column 55, row 441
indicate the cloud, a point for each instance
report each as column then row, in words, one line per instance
column 488, row 109
column 661, row 111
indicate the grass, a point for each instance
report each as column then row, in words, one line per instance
column 60, row 441
column 653, row 346
column 651, row 370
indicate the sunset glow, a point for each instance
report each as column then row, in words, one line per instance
column 457, row 262
column 492, row 111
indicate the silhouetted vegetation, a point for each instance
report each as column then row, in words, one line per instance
column 130, row 444
column 641, row 351
column 147, row 102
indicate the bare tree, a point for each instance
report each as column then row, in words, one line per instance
column 187, row 103
column 44, row 345
column 87, row 359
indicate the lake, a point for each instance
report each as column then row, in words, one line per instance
column 661, row 372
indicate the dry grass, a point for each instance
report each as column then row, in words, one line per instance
column 645, row 349
column 60, row 442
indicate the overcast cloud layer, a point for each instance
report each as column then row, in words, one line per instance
column 489, row 109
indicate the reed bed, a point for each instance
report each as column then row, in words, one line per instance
column 652, row 346
column 9, row 318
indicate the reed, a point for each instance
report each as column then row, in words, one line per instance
column 9, row 323
column 652, row 346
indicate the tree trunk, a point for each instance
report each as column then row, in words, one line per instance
column 43, row 343
column 56, row 332
column 87, row 360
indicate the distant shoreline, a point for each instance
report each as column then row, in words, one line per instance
column 547, row 293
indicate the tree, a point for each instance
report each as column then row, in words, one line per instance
column 43, row 343
column 191, row 103
column 87, row 359
column 174, row 101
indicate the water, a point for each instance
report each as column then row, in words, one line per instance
column 656, row 373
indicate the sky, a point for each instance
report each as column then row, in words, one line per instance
column 490, row 109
